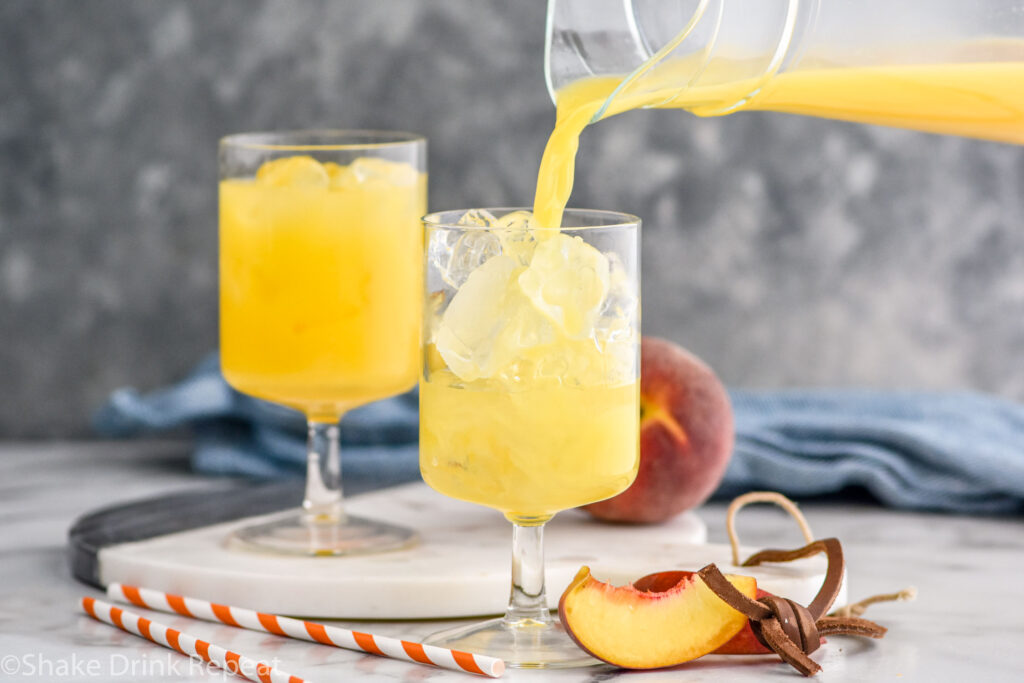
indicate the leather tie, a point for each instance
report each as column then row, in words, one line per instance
column 787, row 627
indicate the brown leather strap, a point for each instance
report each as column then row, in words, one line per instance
column 716, row 581
column 854, row 626
column 833, row 579
column 808, row 627
column 833, row 550
column 776, row 555
column 776, row 639
column 791, row 630
column 796, row 622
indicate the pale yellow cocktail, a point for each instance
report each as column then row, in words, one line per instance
column 531, row 452
column 529, row 401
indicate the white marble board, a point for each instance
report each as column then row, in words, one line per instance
column 460, row 567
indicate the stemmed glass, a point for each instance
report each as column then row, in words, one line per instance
column 320, row 283
column 529, row 400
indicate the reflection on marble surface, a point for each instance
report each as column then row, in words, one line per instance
column 784, row 250
column 967, row 571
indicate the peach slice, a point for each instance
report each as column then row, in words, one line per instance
column 743, row 643
column 663, row 620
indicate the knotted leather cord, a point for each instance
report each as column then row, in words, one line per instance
column 786, row 627
column 852, row 610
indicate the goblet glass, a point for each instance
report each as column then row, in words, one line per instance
column 529, row 400
column 320, row 284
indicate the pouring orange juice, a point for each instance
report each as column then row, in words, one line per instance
column 940, row 66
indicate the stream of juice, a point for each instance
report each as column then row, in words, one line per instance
column 981, row 100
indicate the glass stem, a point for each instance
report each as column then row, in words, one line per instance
column 527, row 601
column 323, row 499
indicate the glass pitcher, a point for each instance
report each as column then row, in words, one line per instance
column 944, row 66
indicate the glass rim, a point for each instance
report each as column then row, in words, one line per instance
column 449, row 218
column 277, row 141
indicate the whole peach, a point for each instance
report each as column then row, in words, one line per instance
column 686, row 437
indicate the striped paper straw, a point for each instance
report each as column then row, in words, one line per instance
column 186, row 644
column 444, row 658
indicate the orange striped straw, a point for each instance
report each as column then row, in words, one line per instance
column 240, row 617
column 186, row 644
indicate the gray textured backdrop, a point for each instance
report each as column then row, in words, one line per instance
column 785, row 251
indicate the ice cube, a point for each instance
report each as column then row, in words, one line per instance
column 516, row 232
column 297, row 171
column 619, row 308
column 474, row 319
column 526, row 334
column 616, row 330
column 470, row 250
column 618, row 340
column 479, row 217
column 371, row 172
column 339, row 176
column 440, row 245
column 453, row 254
column 374, row 169
column 554, row 366
column 515, row 220
column 567, row 280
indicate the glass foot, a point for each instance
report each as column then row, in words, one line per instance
column 297, row 533
column 523, row 644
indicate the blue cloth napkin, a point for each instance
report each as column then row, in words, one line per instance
column 960, row 452
column 238, row 434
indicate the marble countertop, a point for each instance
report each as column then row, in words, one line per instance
column 967, row 571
